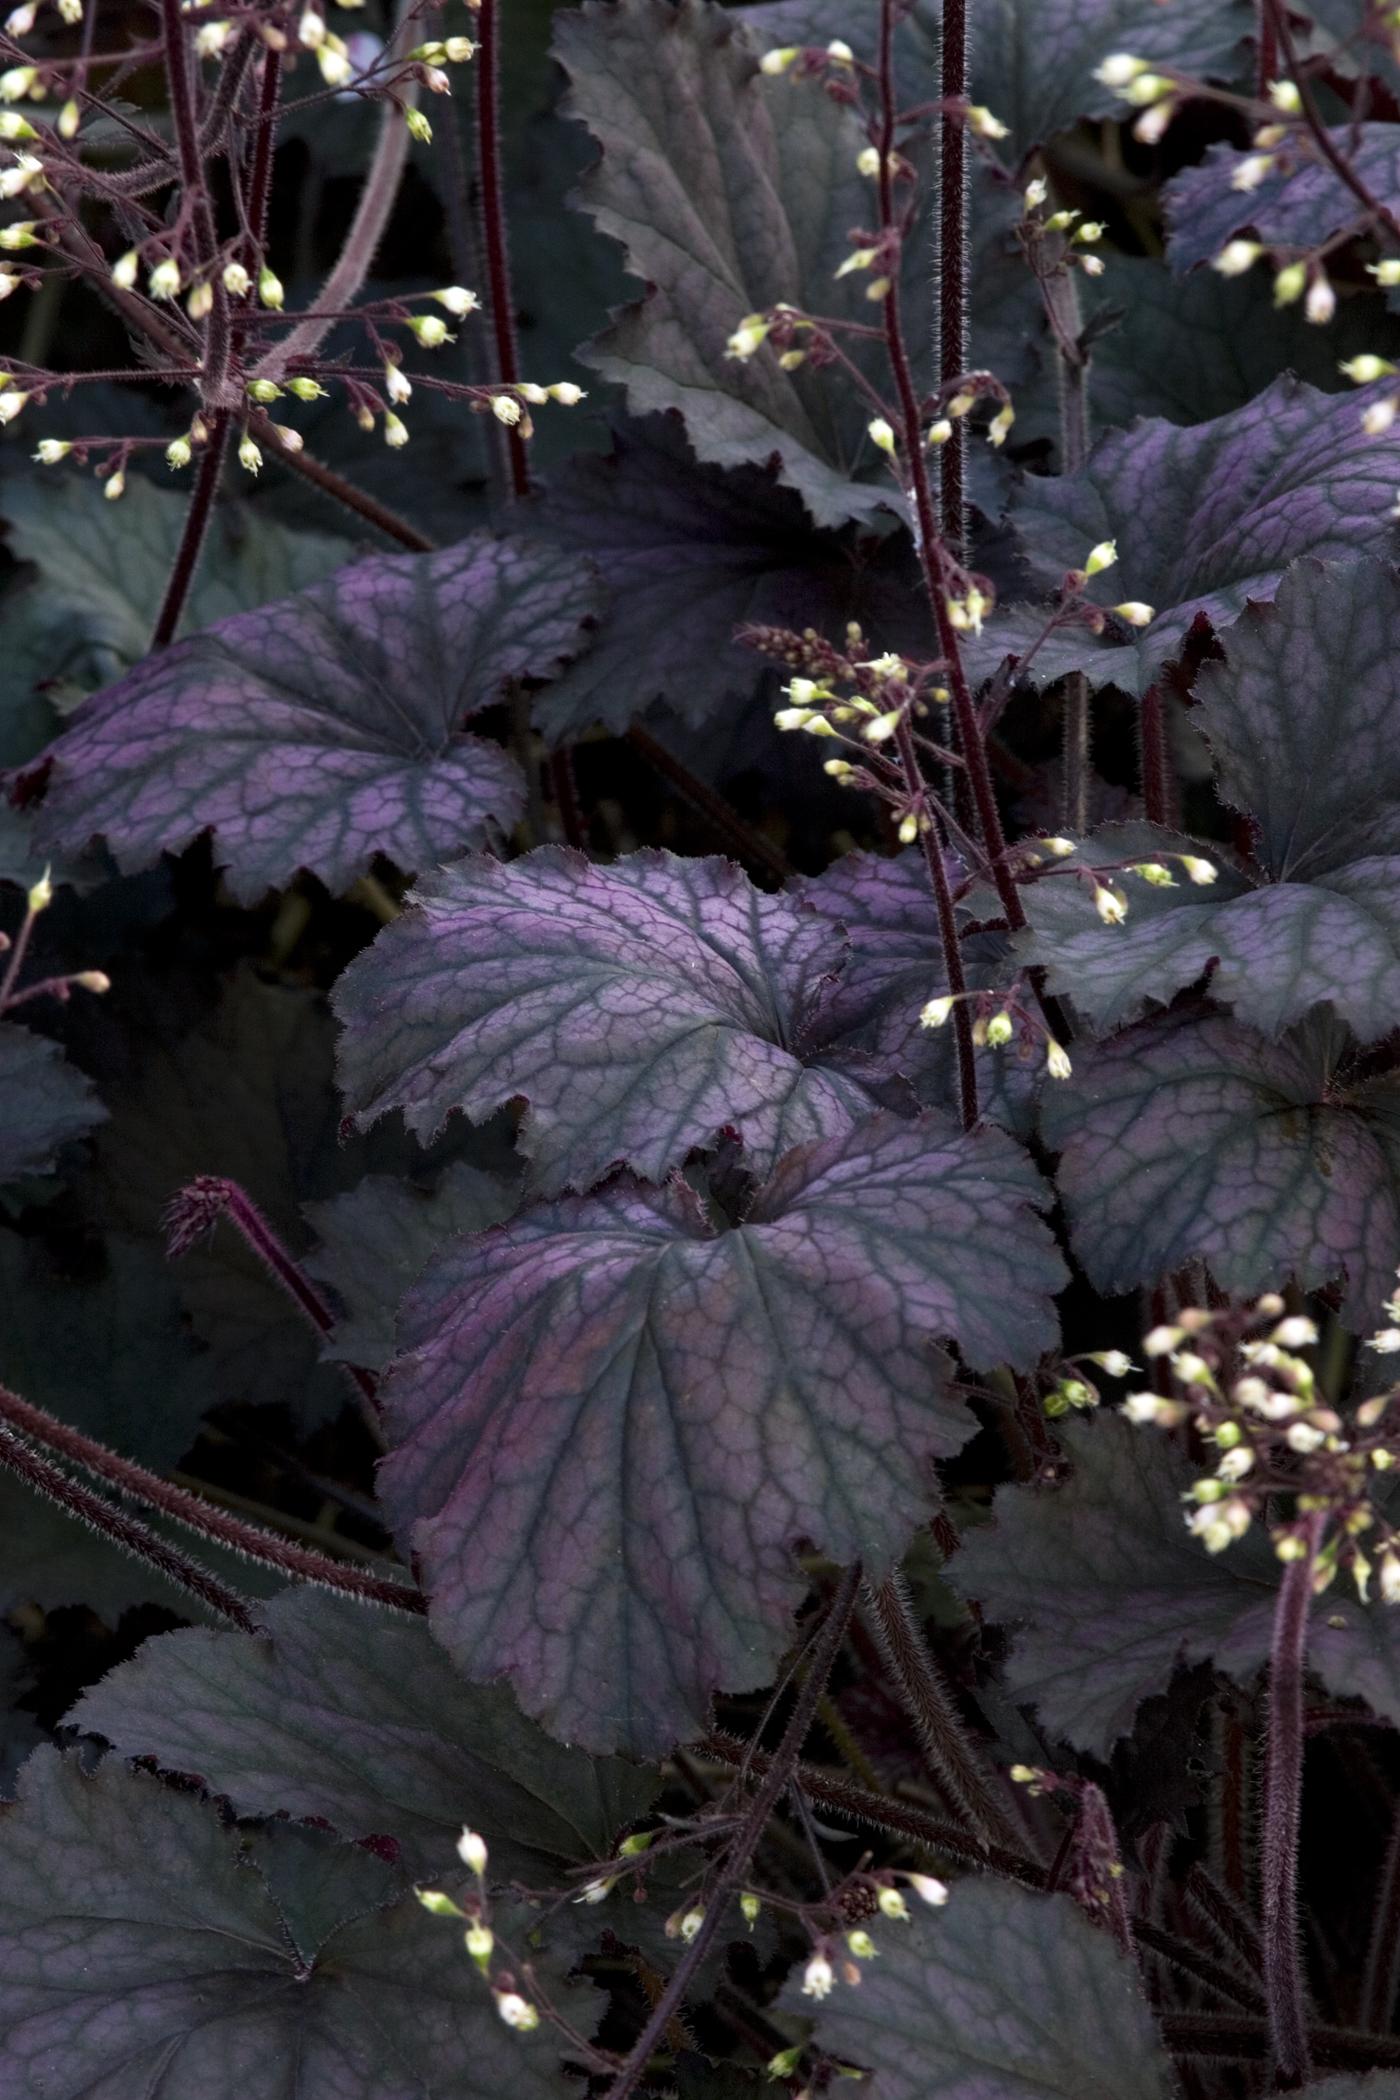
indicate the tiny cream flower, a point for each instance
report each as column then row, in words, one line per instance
column 1135, row 612
column 1236, row 257
column 471, row 1850
column 179, row 452
column 517, row 2012
column 936, row 1012
column 1202, row 872
column 458, row 301
column 431, row 330
column 1251, row 171
column 249, row 455
column 567, row 393
column 778, row 60
column 164, row 280
column 881, row 435
column 397, row 385
column 506, row 409
column 1101, row 557
column 270, row 291
column 115, row 486
column 1057, row 1060
column 51, row 450
column 1111, row 905
column 1119, row 69
column 928, row 1889
column 1366, row 367
column 1321, row 302
column 237, row 282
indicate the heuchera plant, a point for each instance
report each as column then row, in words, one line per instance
column 700, row 1050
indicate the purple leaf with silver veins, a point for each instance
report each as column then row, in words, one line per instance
column 638, row 1010
column 328, row 728
column 615, row 1419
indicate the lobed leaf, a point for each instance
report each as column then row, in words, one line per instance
column 1004, row 1996
column 359, row 1720
column 614, row 1420
column 689, row 554
column 376, row 1240
column 1111, row 1594
column 1271, row 951
column 1196, row 1139
column 47, row 1101
column 328, row 728
column 1206, row 519
column 1302, row 716
column 1300, row 204
column 729, row 192
column 1033, row 64
column 144, row 1947
column 639, row 1011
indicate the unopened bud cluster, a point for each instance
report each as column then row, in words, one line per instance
column 1281, row 1452
column 473, row 1914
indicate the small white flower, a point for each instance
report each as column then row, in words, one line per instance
column 1251, row 171
column 517, row 2012
column 1057, row 1061
column 506, row 409
column 1119, row 69
column 471, row 1850
column 458, row 301
column 936, row 1012
column 164, row 280
column 928, row 1889
column 818, row 1977
column 881, row 435
column 1101, row 557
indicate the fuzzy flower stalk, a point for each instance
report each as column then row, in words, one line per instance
column 1284, row 1458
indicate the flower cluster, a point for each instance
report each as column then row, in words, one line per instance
column 519, row 2012
column 1282, row 1453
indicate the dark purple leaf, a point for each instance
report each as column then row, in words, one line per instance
column 1111, row 1594
column 91, row 1334
column 246, row 1094
column 729, row 192
column 19, row 1731
column 320, row 731
column 895, row 965
column 1185, row 1138
column 47, row 1102
column 1032, row 63
column 689, row 554
column 1303, row 717
column 1270, row 951
column 1206, row 518
column 376, row 1240
column 145, row 1947
column 1299, row 205
column 615, row 1420
column 639, row 1010
column 1195, row 347
column 359, row 1719
column 1003, row 1995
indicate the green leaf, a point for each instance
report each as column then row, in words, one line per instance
column 1111, row 1594
column 1185, row 1139
column 359, row 1719
column 729, row 192
column 48, row 1102
column 616, row 1384
column 144, row 1947
column 1004, row 1995
column 102, row 569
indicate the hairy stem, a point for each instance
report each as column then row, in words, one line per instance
column 932, row 843
column 194, row 533
column 759, row 854
column 340, row 490
column 953, row 267
column 193, row 1214
column 1275, row 13
column 1155, row 758
column 51, row 1482
column 1265, row 48
column 929, row 1705
column 352, row 265
column 214, row 1526
column 1077, row 731
column 1283, row 1798
column 1380, row 1979
column 771, row 1787
column 493, row 222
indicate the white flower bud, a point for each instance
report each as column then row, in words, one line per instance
column 1057, row 1061
column 114, row 488
column 1387, row 272
column 471, row 1850
column 1378, row 416
column 397, row 385
column 927, row 1888
column 1119, row 70
column 179, row 452
column 418, row 126
column 1321, row 301
column 249, row 456
column 936, row 1012
column 10, row 405
column 289, row 439
column 479, row 1940
column 868, row 161
column 986, row 126
column 1285, row 96
column 779, row 59
column 237, row 282
column 881, row 435
column 51, row 450
column 1111, row 905
column 270, row 291
column 517, row 2012
column 164, row 280
column 1201, row 872
column 1251, row 171
column 1366, row 367
column 1101, row 557
column 566, row 393
column 1236, row 257
column 395, row 431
